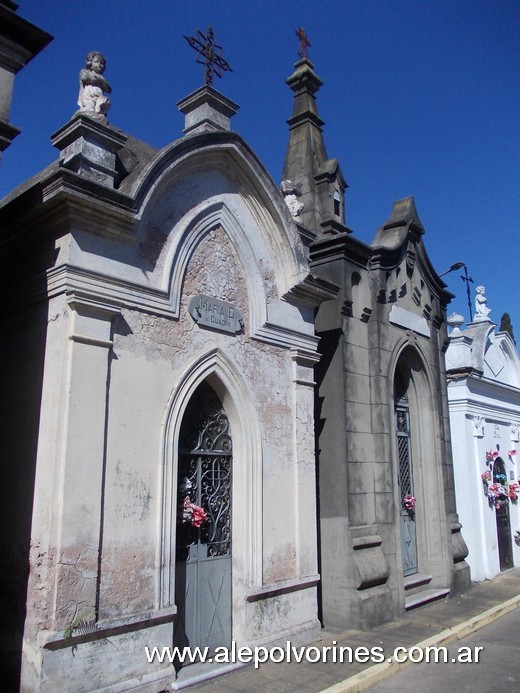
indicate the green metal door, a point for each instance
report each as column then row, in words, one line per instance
column 203, row 551
column 405, row 478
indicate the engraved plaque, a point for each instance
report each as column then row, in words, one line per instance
column 216, row 314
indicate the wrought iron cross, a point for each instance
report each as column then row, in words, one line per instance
column 304, row 42
column 209, row 54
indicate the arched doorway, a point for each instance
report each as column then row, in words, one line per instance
column 203, row 535
column 405, row 475
column 505, row 547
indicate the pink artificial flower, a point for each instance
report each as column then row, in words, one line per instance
column 193, row 514
column 409, row 501
column 511, row 453
column 493, row 491
column 486, row 476
column 199, row 516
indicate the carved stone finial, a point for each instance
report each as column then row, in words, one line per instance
column 93, row 86
column 291, row 194
column 455, row 320
column 481, row 309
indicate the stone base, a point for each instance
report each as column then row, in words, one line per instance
column 460, row 578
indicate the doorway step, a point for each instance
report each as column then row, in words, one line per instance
column 417, row 592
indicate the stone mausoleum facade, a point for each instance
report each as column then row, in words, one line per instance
column 209, row 378
column 484, row 401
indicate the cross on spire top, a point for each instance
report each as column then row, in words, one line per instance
column 304, row 42
column 209, row 54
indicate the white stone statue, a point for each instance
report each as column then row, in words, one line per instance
column 291, row 194
column 481, row 309
column 92, row 85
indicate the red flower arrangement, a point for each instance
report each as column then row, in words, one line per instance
column 498, row 495
column 409, row 502
column 193, row 513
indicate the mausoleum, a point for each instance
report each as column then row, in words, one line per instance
column 484, row 401
column 209, row 378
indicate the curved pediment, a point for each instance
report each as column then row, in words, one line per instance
column 200, row 171
column 212, row 182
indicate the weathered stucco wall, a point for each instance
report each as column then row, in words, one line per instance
column 123, row 356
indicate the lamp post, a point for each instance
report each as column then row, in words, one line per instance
column 466, row 278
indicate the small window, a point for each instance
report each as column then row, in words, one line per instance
column 337, row 204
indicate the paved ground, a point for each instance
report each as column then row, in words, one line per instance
column 440, row 623
column 496, row 670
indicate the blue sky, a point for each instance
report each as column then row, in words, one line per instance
column 420, row 98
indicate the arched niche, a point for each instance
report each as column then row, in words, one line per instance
column 218, row 371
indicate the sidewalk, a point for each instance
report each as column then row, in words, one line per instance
column 437, row 624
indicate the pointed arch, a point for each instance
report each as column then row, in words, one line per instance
column 426, row 454
column 223, row 376
column 192, row 174
column 184, row 244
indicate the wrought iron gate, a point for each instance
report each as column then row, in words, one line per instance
column 203, row 550
column 405, row 479
column 505, row 546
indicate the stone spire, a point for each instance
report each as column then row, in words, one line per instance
column 317, row 180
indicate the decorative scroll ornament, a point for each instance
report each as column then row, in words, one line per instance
column 205, row 490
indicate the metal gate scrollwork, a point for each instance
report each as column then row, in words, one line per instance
column 405, row 477
column 205, row 478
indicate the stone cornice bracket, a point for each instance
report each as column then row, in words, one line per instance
column 478, row 426
column 311, row 292
column 304, row 361
column 304, row 357
column 89, row 147
column 92, row 323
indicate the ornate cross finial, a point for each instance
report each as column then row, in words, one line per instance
column 304, row 42
column 209, row 54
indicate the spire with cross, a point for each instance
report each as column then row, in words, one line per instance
column 209, row 54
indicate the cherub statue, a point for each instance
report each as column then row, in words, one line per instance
column 92, row 84
column 481, row 309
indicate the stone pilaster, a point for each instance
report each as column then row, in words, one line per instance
column 303, row 384
column 84, row 459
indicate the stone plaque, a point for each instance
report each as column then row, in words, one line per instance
column 216, row 314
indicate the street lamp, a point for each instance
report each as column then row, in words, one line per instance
column 466, row 278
